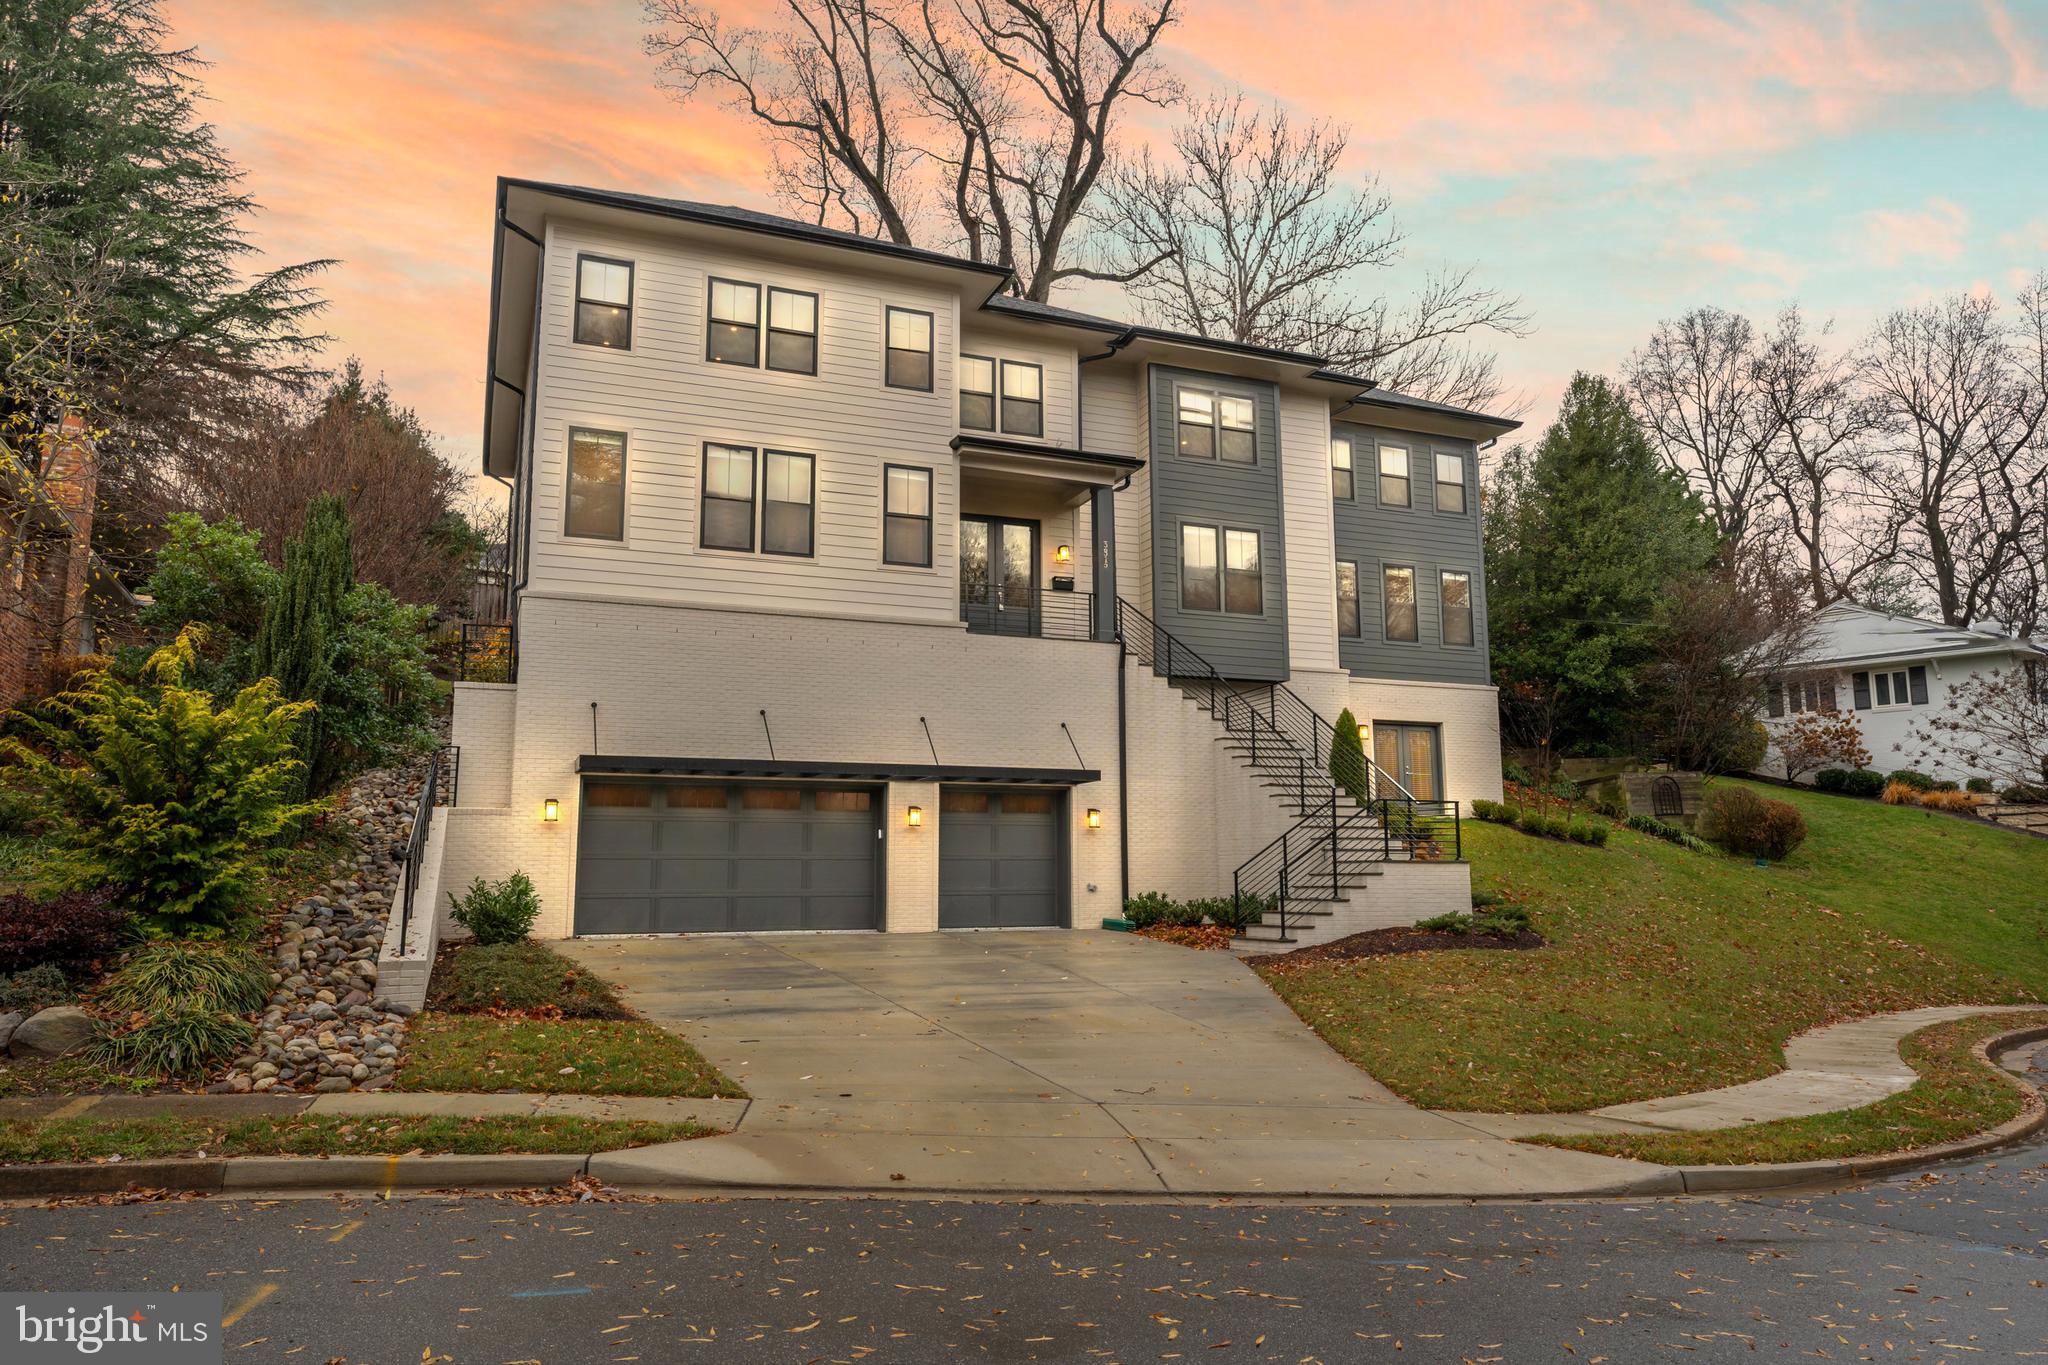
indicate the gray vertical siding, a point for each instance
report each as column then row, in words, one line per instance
column 1213, row 493
column 1418, row 535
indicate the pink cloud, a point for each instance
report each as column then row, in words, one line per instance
column 1935, row 233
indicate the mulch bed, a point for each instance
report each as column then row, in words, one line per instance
column 1389, row 942
column 1206, row 937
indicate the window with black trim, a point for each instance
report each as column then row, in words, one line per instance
column 1450, row 482
column 1398, row 597
column 728, row 498
column 734, row 323
column 1236, row 430
column 1221, row 570
column 788, row 506
column 1196, row 422
column 977, row 393
column 792, row 331
column 1214, row 425
column 1201, row 570
column 907, row 516
column 597, row 485
column 1457, row 607
column 908, row 362
column 1348, row 626
column 604, row 302
column 1244, row 585
column 1023, row 398
column 1342, row 477
column 1394, row 476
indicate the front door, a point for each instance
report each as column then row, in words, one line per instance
column 1410, row 755
column 999, row 575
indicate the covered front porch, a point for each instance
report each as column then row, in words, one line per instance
column 1038, row 539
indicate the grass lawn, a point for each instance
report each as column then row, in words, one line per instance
column 1956, row 1096
column 482, row 1052
column 83, row 1139
column 1671, row 971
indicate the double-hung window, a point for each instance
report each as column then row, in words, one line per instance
column 1457, row 607
column 1197, row 424
column 1201, row 574
column 1244, row 590
column 788, row 503
column 977, row 393
column 907, row 516
column 1236, row 430
column 1394, row 476
column 1342, row 476
column 1348, row 627
column 597, row 485
column 1398, row 596
column 734, row 323
column 1216, row 426
column 908, row 362
column 728, row 498
column 1450, row 483
column 1221, row 570
column 786, row 483
column 604, row 303
column 1894, row 687
column 792, row 331
column 1023, row 399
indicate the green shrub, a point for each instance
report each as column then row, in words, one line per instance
column 1227, row 912
column 1347, row 757
column 170, row 803
column 1482, row 899
column 186, row 1040
column 1831, row 779
column 1742, row 822
column 520, row 976
column 1182, row 914
column 1482, row 809
column 1564, row 789
column 34, row 988
column 1611, row 803
column 1919, row 782
column 497, row 912
column 1587, row 832
column 1979, row 786
column 1449, row 922
column 1651, row 825
column 2025, row 793
column 161, row 976
column 1863, row 782
column 1516, row 773
column 1945, row 787
column 1504, row 921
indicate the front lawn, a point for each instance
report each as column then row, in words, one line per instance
column 25, row 1141
column 480, row 1052
column 1671, row 971
column 1956, row 1097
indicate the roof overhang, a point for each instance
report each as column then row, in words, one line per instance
column 2022, row 648
column 1370, row 406
column 823, row 770
column 1092, row 467
column 508, row 351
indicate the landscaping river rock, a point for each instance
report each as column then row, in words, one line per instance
column 326, row 1029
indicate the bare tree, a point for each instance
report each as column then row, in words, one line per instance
column 995, row 118
column 1695, row 389
column 1994, row 724
column 1247, row 233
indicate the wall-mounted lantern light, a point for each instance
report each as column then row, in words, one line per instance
column 1063, row 555
column 914, row 816
column 1094, row 818
column 1364, row 733
column 551, row 810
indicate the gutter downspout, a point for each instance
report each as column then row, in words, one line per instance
column 1123, row 775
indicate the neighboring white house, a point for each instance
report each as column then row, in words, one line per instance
column 850, row 592
column 1893, row 672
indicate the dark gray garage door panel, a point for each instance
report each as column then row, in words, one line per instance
column 999, row 859
column 663, row 858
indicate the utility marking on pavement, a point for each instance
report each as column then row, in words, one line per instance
column 390, row 1177
column 346, row 1229
column 550, row 1293
column 74, row 1108
column 242, row 1309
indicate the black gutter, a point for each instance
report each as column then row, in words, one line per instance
column 1000, row 446
column 491, row 334
column 619, row 765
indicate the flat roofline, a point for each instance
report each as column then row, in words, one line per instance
column 828, row 770
column 1003, row 446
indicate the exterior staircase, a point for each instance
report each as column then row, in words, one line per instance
column 1344, row 834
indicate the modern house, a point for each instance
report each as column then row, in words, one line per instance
column 851, row 592
column 1894, row 673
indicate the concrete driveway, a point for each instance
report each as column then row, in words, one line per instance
column 1050, row 1062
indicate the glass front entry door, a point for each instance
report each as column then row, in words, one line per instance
column 1408, row 754
column 999, row 575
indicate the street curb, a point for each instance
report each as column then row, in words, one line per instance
column 2033, row 1116
column 346, row 1174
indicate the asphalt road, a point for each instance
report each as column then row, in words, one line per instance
column 1946, row 1266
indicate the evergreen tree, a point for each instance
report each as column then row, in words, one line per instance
column 1583, row 539
column 1347, row 756
column 303, row 627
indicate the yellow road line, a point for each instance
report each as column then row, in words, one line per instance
column 345, row 1231
column 263, row 1292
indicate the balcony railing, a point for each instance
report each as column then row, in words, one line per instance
column 1053, row 616
column 486, row 652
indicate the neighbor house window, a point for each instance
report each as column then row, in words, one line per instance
column 604, row 302
column 1023, row 399
column 788, row 523
column 908, row 364
column 1348, row 626
column 728, row 498
column 1342, row 478
column 792, row 331
column 1895, row 687
column 906, row 516
column 735, row 323
column 1457, row 602
column 1236, row 430
column 1450, row 483
column 1243, row 577
column 1197, row 424
column 1201, row 580
column 977, row 393
column 1398, row 593
column 1393, row 476
column 597, row 485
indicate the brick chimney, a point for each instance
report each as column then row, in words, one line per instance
column 71, row 474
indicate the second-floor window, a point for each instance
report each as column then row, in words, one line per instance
column 784, row 513
column 907, row 516
column 1348, row 627
column 908, row 362
column 1023, row 399
column 735, row 323
column 604, row 302
column 1398, row 594
column 1450, row 483
column 792, row 331
column 597, row 485
column 1457, row 605
column 1217, row 426
column 977, row 393
column 1341, row 472
column 1394, row 476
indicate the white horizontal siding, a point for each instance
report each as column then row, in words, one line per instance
column 1310, row 534
column 1056, row 362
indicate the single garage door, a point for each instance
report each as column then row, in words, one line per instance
column 695, row 857
column 999, row 859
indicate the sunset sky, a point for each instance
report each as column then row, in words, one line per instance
column 1612, row 163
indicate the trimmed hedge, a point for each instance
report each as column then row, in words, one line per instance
column 1919, row 782
column 1742, row 822
column 1863, row 782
